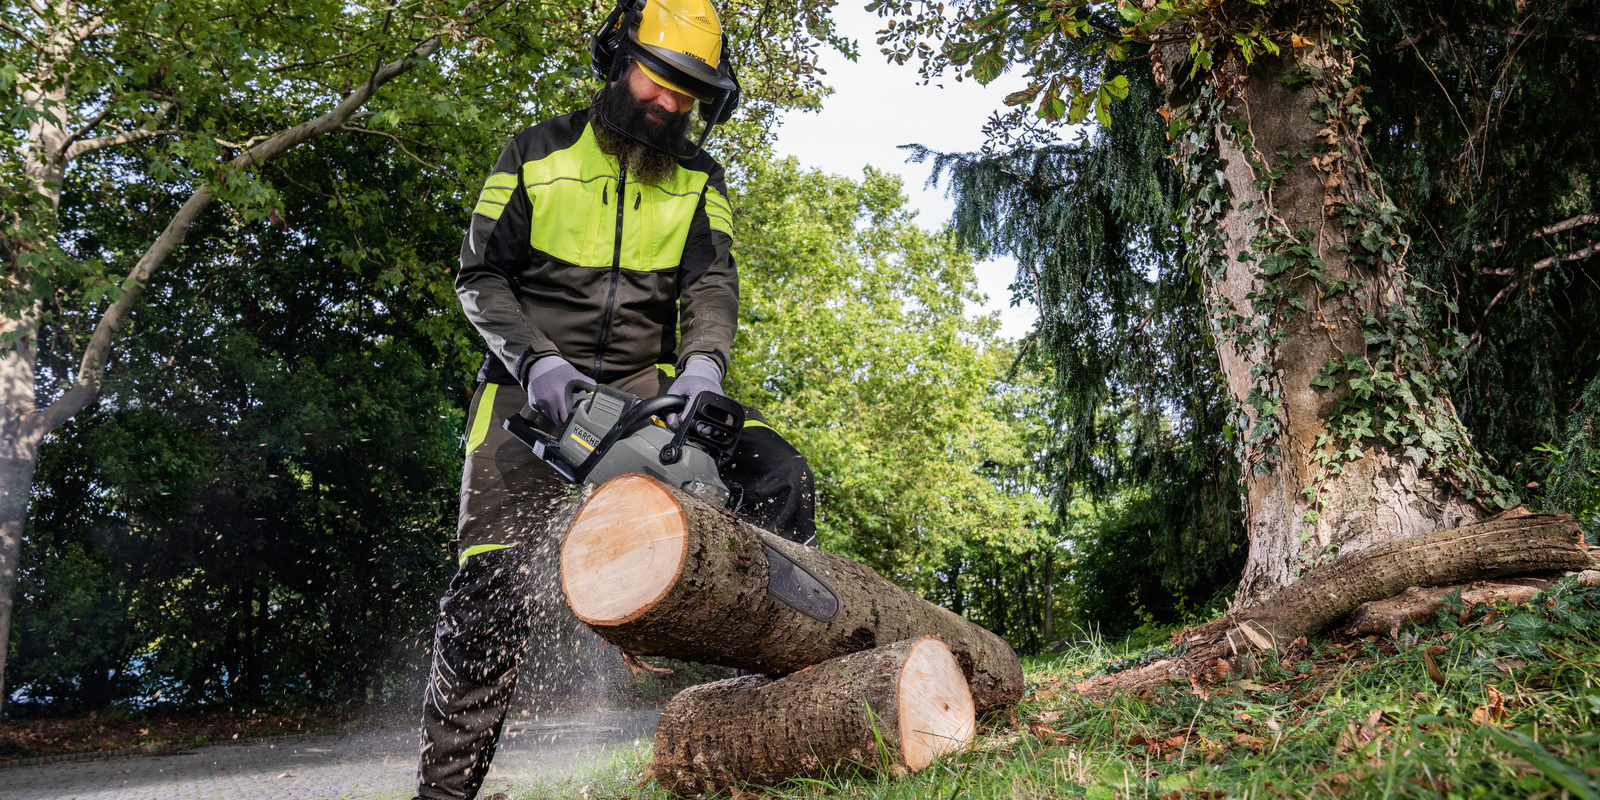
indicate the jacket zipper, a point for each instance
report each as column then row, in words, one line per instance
column 616, row 270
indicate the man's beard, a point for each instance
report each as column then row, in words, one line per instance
column 650, row 163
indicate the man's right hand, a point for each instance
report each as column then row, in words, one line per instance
column 549, row 384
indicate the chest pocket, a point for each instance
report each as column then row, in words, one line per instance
column 573, row 198
column 653, row 236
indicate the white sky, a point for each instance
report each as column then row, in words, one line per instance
column 877, row 106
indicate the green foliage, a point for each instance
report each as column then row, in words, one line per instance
column 273, row 463
column 271, row 471
column 1137, row 401
column 1572, row 468
column 855, row 344
column 1483, row 148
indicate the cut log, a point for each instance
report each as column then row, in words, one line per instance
column 896, row 707
column 1419, row 604
column 657, row 572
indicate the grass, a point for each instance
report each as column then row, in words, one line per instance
column 1481, row 703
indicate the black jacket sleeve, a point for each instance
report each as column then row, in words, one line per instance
column 495, row 250
column 708, row 289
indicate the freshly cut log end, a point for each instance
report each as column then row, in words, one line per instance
column 896, row 707
column 656, row 571
column 624, row 550
column 936, row 711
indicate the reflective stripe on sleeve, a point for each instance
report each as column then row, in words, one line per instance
column 496, row 193
column 718, row 211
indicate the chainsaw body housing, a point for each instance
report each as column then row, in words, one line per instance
column 611, row 432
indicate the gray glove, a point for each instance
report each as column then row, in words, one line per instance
column 549, row 383
column 700, row 374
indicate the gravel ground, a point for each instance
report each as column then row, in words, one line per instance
column 372, row 764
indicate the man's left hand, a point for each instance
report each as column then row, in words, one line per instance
column 700, row 374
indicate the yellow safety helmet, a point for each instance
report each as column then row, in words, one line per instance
column 678, row 43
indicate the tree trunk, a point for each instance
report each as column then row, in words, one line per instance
column 1306, row 272
column 891, row 708
column 657, row 572
column 1499, row 547
column 19, row 458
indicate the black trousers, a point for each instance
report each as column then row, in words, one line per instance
column 512, row 504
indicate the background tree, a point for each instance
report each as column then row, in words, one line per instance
column 1340, row 386
column 856, row 344
column 271, row 457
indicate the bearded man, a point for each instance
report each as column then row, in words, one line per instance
column 598, row 253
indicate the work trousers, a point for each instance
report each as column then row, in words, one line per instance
column 512, row 506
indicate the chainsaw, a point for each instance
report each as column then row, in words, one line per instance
column 610, row 432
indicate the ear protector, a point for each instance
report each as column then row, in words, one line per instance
column 617, row 42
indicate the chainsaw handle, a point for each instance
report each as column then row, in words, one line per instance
column 654, row 407
column 712, row 421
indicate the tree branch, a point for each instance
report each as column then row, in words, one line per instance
column 1546, row 263
column 19, row 33
column 1548, row 230
column 328, row 60
column 102, row 142
column 86, row 384
column 88, row 125
column 76, row 148
column 1414, row 38
column 398, row 141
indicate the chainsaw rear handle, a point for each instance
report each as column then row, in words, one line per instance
column 713, row 422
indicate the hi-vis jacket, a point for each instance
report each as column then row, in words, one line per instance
column 568, row 256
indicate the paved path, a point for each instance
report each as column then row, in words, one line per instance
column 369, row 766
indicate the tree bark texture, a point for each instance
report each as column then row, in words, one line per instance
column 1512, row 545
column 1419, row 604
column 1298, row 512
column 894, row 708
column 699, row 585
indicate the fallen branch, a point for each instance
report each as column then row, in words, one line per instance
column 1419, row 604
column 1502, row 546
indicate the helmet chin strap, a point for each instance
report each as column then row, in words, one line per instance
column 615, row 125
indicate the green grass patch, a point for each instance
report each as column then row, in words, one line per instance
column 1481, row 703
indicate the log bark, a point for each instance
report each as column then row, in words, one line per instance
column 892, row 708
column 1419, row 604
column 656, row 572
